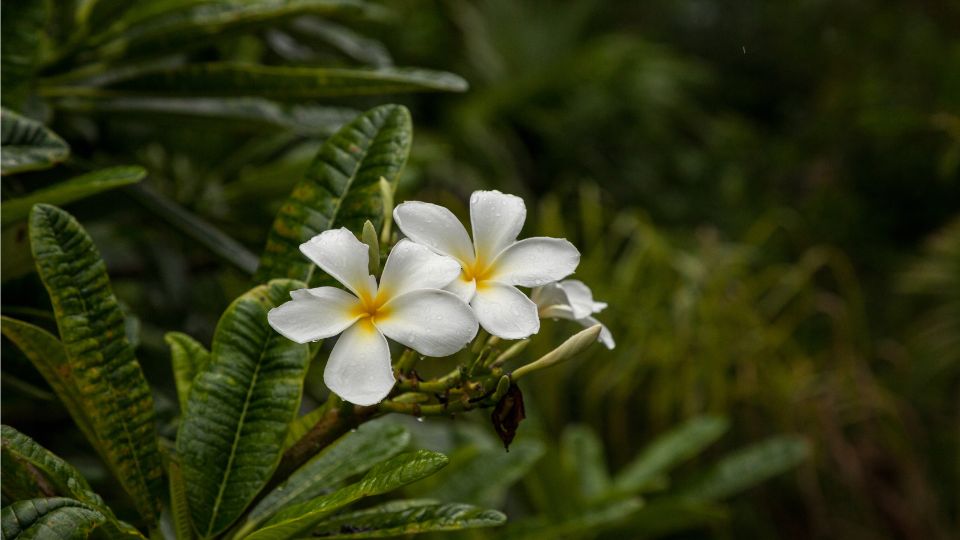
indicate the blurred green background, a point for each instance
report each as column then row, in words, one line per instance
column 766, row 194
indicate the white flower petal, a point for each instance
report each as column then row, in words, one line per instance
column 496, row 219
column 314, row 314
column 339, row 253
column 564, row 312
column 605, row 337
column 504, row 311
column 463, row 287
column 549, row 295
column 579, row 297
column 435, row 227
column 412, row 266
column 534, row 262
column 359, row 368
column 430, row 321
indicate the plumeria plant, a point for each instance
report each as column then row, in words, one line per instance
column 246, row 462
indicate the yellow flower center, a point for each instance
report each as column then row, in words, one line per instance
column 477, row 271
column 371, row 307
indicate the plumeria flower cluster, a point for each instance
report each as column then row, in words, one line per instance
column 437, row 287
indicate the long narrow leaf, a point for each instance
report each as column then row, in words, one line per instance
column 178, row 25
column 402, row 518
column 277, row 82
column 748, row 467
column 239, row 409
column 188, row 357
column 352, row 454
column 46, row 353
column 27, row 145
column 105, row 373
column 312, row 120
column 31, row 471
column 391, row 474
column 668, row 451
column 14, row 210
column 341, row 188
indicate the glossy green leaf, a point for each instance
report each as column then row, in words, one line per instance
column 178, row 25
column 253, row 112
column 49, row 519
column 482, row 476
column 388, row 475
column 31, row 471
column 27, row 145
column 340, row 189
column 21, row 33
column 103, row 371
column 239, row 409
column 188, row 357
column 669, row 450
column 401, row 518
column 748, row 467
column 350, row 455
column 582, row 456
column 46, row 353
column 278, row 82
column 14, row 210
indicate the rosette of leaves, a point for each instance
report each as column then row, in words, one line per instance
column 240, row 400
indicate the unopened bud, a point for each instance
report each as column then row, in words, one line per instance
column 575, row 344
column 369, row 237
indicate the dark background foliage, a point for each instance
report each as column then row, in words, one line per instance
column 767, row 195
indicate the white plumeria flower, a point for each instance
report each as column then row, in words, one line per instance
column 495, row 262
column 572, row 299
column 408, row 307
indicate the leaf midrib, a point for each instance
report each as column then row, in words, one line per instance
column 236, row 438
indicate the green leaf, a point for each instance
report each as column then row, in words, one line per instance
column 46, row 353
column 277, row 82
column 179, row 506
column 27, row 145
column 21, row 33
column 748, row 467
column 188, row 357
column 239, row 409
column 482, row 477
column 49, row 519
column 582, row 456
column 31, row 471
column 341, row 188
column 311, row 120
column 668, row 451
column 401, row 518
column 71, row 190
column 178, row 25
column 352, row 454
column 386, row 476
column 103, row 371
